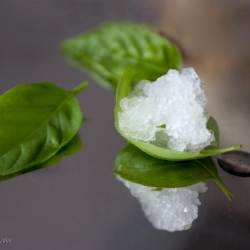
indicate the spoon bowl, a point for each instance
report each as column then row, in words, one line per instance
column 235, row 162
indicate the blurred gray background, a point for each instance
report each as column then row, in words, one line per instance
column 78, row 204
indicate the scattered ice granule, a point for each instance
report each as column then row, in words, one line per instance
column 171, row 209
column 169, row 112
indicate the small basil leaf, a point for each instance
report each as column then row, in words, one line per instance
column 110, row 49
column 136, row 166
column 37, row 120
column 123, row 89
column 71, row 147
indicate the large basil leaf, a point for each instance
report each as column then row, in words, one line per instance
column 37, row 120
column 136, row 166
column 123, row 89
column 110, row 49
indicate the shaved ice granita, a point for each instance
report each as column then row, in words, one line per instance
column 169, row 113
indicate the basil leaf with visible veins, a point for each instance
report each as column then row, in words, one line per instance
column 37, row 120
column 112, row 48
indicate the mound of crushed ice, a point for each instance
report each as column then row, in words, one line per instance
column 171, row 209
column 169, row 112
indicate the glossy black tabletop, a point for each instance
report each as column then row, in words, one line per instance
column 78, row 203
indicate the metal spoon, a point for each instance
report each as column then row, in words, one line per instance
column 235, row 163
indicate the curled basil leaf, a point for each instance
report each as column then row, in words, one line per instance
column 123, row 89
column 38, row 125
column 110, row 49
column 136, row 166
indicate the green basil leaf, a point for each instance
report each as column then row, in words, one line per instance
column 37, row 120
column 110, row 49
column 136, row 166
column 71, row 147
column 123, row 89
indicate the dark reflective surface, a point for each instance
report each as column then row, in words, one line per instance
column 78, row 204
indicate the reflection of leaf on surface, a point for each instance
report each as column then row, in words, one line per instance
column 134, row 165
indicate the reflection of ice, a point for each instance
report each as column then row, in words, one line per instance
column 171, row 209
